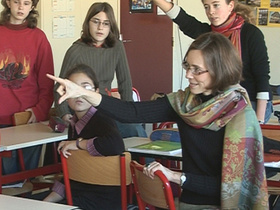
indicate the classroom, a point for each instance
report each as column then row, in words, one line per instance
column 153, row 45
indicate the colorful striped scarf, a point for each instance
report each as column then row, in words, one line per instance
column 243, row 184
column 231, row 29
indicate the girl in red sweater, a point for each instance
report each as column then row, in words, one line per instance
column 25, row 58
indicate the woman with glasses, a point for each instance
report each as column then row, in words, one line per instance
column 99, row 47
column 235, row 21
column 222, row 150
column 96, row 133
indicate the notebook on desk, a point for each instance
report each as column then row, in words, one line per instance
column 158, row 147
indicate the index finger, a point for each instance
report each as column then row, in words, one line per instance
column 57, row 79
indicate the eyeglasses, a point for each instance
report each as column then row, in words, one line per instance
column 194, row 69
column 88, row 87
column 97, row 22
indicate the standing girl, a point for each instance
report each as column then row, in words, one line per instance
column 99, row 47
column 25, row 58
column 235, row 21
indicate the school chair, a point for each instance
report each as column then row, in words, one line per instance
column 19, row 118
column 135, row 93
column 273, row 186
column 167, row 134
column 83, row 167
column 149, row 192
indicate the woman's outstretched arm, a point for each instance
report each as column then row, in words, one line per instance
column 68, row 89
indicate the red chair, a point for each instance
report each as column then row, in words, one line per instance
column 163, row 125
column 83, row 167
column 149, row 192
column 135, row 93
column 168, row 125
column 273, row 132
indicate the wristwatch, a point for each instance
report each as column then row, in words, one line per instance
column 78, row 142
column 183, row 178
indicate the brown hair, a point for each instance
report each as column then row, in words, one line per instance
column 85, row 69
column 31, row 18
column 114, row 30
column 243, row 10
column 221, row 59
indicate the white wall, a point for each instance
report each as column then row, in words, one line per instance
column 272, row 40
column 182, row 42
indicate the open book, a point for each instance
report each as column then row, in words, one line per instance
column 158, row 147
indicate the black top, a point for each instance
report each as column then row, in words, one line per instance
column 254, row 52
column 201, row 148
column 108, row 142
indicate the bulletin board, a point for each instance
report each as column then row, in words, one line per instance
column 268, row 11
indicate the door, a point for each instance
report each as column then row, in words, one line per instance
column 148, row 44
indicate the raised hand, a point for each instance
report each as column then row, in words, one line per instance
column 67, row 89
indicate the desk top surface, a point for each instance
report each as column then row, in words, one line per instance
column 15, row 203
column 22, row 136
column 135, row 141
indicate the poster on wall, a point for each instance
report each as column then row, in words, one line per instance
column 268, row 11
column 141, row 6
column 255, row 3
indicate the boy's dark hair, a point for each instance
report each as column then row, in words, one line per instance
column 82, row 68
column 113, row 35
column 31, row 19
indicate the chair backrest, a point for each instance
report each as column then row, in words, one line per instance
column 166, row 134
column 156, row 192
column 271, row 154
column 21, row 118
column 135, row 93
column 163, row 125
column 52, row 113
column 271, row 131
column 83, row 167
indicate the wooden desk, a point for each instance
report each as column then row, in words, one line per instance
column 18, row 137
column 15, row 203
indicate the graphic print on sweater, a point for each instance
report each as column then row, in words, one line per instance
column 13, row 70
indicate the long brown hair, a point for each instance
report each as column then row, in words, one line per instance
column 221, row 59
column 243, row 10
column 31, row 18
column 114, row 30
